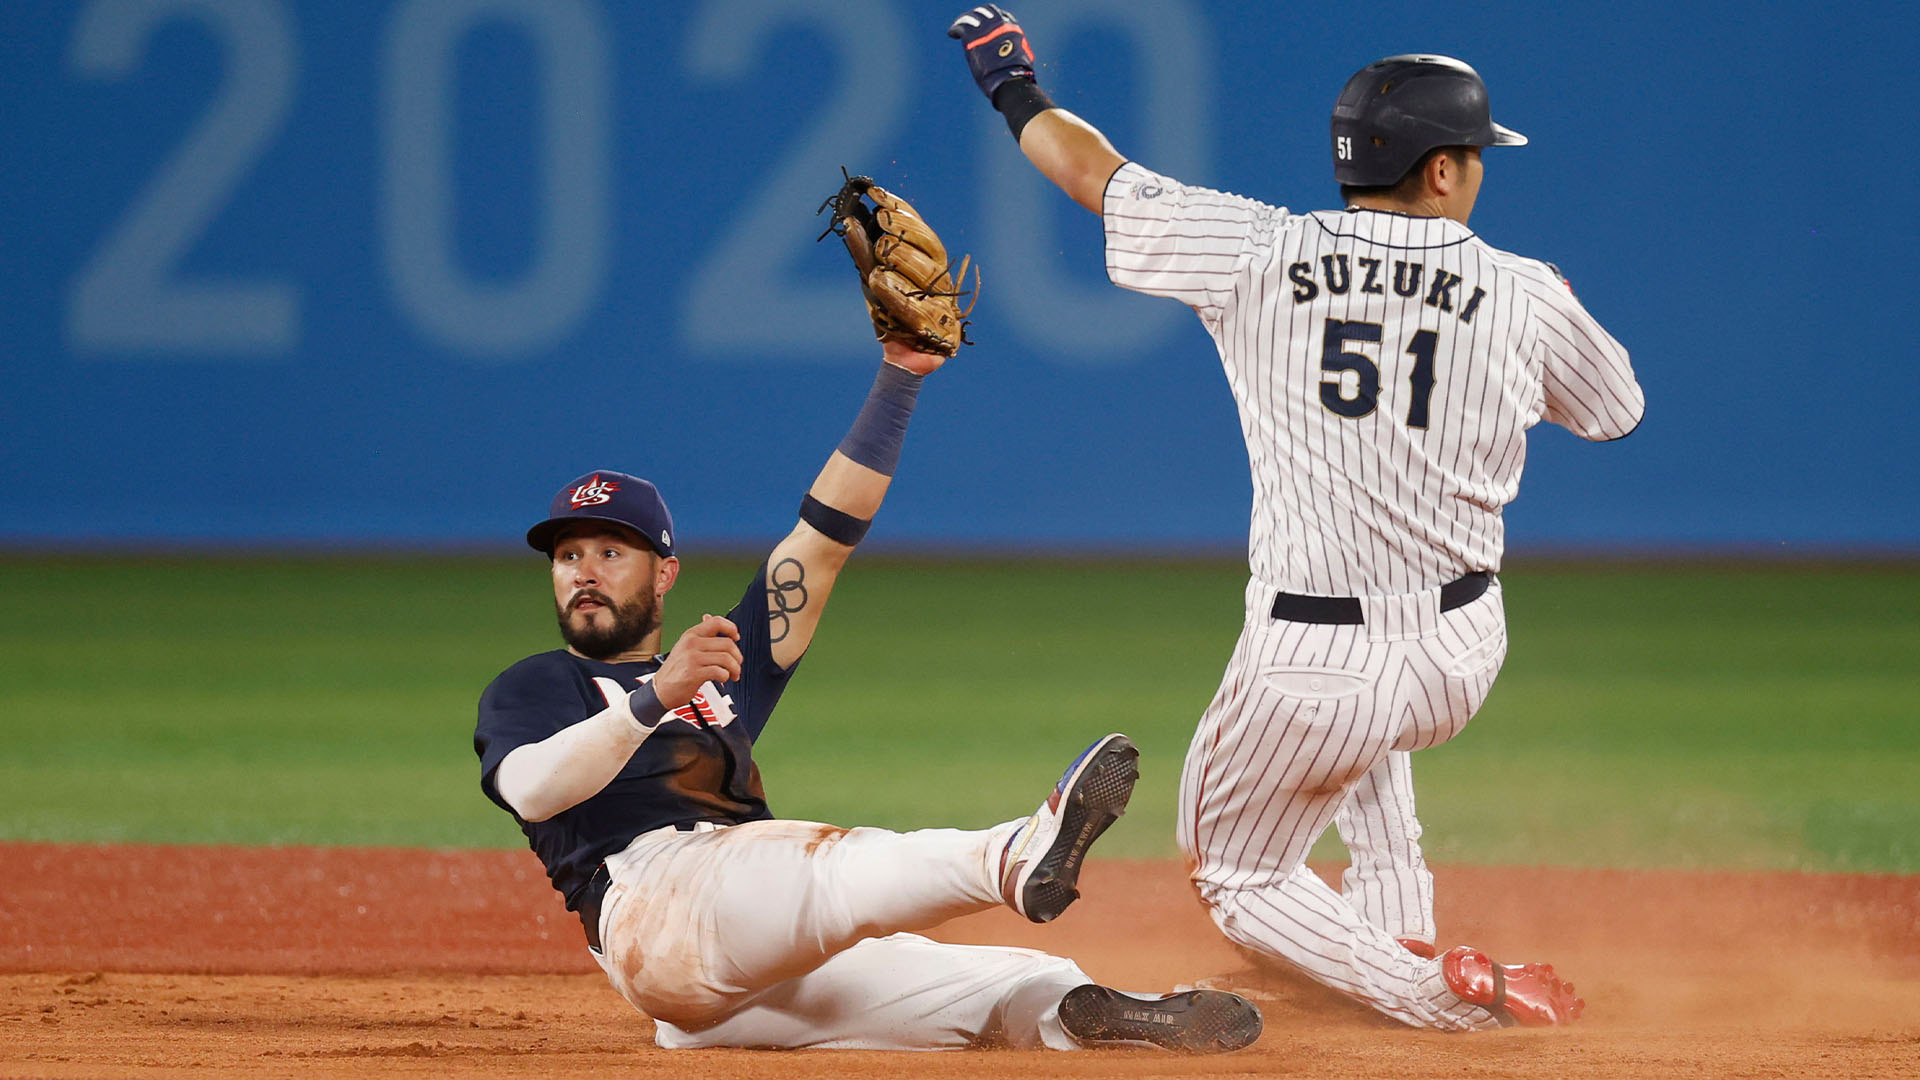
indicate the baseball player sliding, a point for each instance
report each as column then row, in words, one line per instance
column 1387, row 363
column 631, row 772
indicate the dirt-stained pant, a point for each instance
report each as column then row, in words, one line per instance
column 789, row 934
column 1312, row 724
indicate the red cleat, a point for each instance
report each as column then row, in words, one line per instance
column 1530, row 995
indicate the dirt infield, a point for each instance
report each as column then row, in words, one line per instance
column 230, row 962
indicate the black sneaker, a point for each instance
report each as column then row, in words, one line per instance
column 1197, row 1021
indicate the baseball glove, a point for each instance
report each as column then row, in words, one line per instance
column 911, row 295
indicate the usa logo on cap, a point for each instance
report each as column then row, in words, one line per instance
column 612, row 497
column 595, row 492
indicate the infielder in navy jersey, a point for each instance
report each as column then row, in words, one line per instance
column 1386, row 363
column 631, row 772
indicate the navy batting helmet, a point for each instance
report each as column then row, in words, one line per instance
column 1395, row 110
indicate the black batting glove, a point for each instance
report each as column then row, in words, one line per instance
column 997, row 48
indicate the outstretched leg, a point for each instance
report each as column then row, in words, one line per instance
column 903, row 992
column 696, row 924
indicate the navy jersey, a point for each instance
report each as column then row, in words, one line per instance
column 696, row 766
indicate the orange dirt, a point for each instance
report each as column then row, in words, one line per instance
column 231, row 962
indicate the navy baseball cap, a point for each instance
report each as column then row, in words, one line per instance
column 603, row 495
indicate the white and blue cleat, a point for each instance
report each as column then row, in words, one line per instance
column 1041, row 863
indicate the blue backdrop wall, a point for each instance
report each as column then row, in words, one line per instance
column 298, row 271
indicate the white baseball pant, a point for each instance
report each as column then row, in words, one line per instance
column 1311, row 725
column 787, row 934
column 1386, row 879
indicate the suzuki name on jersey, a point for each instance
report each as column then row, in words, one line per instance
column 1336, row 273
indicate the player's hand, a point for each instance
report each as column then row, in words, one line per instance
column 996, row 47
column 708, row 652
column 902, row 356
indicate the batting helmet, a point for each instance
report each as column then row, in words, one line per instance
column 1395, row 110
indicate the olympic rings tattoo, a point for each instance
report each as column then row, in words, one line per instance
column 786, row 596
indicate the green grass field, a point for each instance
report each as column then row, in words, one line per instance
column 1748, row 717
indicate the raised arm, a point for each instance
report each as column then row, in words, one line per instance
column 1066, row 149
column 840, row 505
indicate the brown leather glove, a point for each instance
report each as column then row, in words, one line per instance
column 911, row 296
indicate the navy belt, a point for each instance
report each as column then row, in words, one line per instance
column 596, row 891
column 1345, row 610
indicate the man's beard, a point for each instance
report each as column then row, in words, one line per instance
column 632, row 622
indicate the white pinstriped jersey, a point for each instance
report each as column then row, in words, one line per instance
column 1386, row 369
